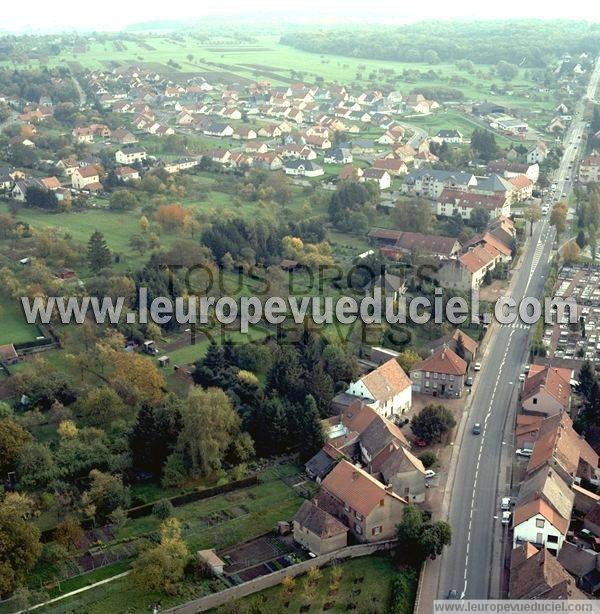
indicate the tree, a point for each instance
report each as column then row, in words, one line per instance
column 105, row 494
column 286, row 376
column 320, row 386
column 570, row 252
column 507, row 71
column 209, row 426
column 533, row 214
column 310, row 435
column 123, row 200
column 13, row 440
column 69, row 533
column 433, row 539
column 162, row 509
column 585, row 380
column 558, row 217
column 414, row 215
column 419, row 540
column 102, row 406
column 407, row 359
column 432, row 423
column 154, row 434
column 20, row 547
column 580, row 239
column 429, row 459
column 99, row 256
column 162, row 567
column 480, row 218
column 67, row 429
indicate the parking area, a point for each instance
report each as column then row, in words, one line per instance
column 580, row 340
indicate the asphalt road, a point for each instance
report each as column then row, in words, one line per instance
column 474, row 509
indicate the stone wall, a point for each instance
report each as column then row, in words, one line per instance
column 203, row 604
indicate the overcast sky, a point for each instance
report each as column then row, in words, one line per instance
column 44, row 15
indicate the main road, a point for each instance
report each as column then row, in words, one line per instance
column 473, row 507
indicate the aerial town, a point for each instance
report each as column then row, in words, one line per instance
column 306, row 465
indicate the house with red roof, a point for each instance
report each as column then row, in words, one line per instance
column 546, row 391
column 369, row 509
column 387, row 389
column 441, row 375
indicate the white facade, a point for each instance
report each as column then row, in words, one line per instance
column 540, row 531
column 130, row 157
column 395, row 406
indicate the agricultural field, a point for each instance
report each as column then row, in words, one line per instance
column 267, row 59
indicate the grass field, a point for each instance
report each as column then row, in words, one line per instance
column 265, row 503
column 13, row 326
column 268, row 59
column 372, row 594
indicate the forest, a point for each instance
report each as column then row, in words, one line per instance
column 527, row 43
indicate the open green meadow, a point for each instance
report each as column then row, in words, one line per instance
column 13, row 326
column 266, row 59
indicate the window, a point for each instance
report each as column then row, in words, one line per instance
column 452, row 378
column 358, row 528
column 346, row 508
column 435, row 376
column 426, row 373
column 553, row 539
column 535, row 400
column 443, row 376
column 539, row 523
column 435, row 384
column 426, row 384
column 376, row 531
column 357, row 516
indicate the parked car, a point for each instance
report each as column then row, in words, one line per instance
column 522, row 377
column 476, row 429
column 477, row 366
column 506, row 516
column 523, row 452
column 429, row 474
column 505, row 505
column 469, row 381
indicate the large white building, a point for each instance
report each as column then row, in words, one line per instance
column 387, row 389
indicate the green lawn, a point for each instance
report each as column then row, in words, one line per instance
column 13, row 325
column 266, row 58
column 262, row 505
column 371, row 595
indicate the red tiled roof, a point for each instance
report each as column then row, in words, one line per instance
column 356, row 488
column 443, row 360
column 386, row 381
column 550, row 379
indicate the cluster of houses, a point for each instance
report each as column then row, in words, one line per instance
column 556, row 515
column 463, row 267
column 366, row 470
column 589, row 168
column 281, row 127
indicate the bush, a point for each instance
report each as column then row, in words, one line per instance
column 429, row 459
column 163, row 509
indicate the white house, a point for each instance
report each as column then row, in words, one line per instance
column 130, row 155
column 380, row 176
column 387, row 389
column 304, row 168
